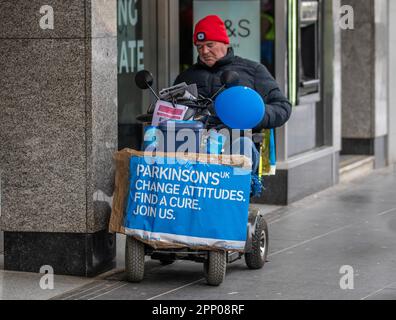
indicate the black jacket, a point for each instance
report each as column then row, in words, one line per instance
column 251, row 74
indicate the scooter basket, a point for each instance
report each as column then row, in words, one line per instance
column 180, row 136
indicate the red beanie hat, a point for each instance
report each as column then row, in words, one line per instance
column 211, row 28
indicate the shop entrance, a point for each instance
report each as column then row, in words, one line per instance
column 148, row 38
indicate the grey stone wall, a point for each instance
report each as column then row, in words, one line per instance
column 392, row 82
column 58, row 115
column 334, row 92
column 364, row 73
column 358, row 47
column 381, row 67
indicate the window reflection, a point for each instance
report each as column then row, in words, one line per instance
column 130, row 60
column 237, row 28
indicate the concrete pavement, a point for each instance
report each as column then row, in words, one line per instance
column 352, row 224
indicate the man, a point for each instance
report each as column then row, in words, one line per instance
column 215, row 57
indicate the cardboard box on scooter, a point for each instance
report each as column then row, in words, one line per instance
column 121, row 187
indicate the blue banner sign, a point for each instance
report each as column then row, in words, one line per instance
column 186, row 202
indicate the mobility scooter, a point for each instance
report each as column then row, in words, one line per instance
column 214, row 261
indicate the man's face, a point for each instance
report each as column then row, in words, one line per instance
column 211, row 51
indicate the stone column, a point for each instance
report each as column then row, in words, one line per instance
column 365, row 78
column 58, row 131
column 392, row 82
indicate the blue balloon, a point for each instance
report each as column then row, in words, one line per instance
column 240, row 108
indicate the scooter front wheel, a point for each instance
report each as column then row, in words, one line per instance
column 258, row 255
column 134, row 259
column 215, row 267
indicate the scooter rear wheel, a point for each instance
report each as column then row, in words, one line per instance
column 134, row 259
column 215, row 267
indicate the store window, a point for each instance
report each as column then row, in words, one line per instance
column 130, row 60
column 250, row 25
